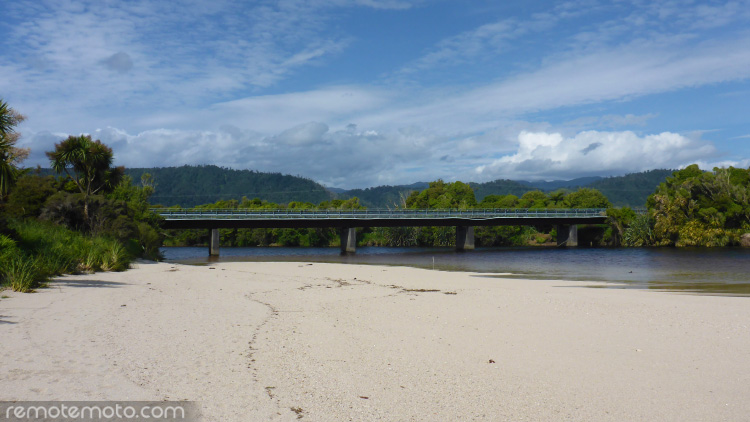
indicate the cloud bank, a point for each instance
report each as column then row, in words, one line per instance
column 349, row 157
column 542, row 155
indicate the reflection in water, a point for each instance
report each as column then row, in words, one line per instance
column 701, row 270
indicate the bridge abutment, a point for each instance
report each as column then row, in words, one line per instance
column 464, row 238
column 348, row 236
column 567, row 235
column 213, row 242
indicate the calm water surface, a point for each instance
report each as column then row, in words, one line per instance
column 696, row 270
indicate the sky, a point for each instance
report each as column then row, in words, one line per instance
column 360, row 93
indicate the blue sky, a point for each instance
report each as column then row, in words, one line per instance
column 358, row 93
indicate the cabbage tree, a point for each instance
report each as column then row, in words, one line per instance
column 10, row 156
column 88, row 164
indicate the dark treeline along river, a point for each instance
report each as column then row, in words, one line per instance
column 695, row 270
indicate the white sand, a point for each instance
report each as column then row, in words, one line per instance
column 324, row 342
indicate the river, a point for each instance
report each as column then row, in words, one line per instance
column 723, row 271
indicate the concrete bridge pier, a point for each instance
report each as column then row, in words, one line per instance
column 348, row 236
column 464, row 238
column 213, row 242
column 567, row 235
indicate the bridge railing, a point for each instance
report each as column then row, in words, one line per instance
column 284, row 214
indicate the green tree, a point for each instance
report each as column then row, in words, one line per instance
column 10, row 156
column 619, row 219
column 557, row 199
column 29, row 195
column 587, row 198
column 533, row 199
column 499, row 201
column 441, row 195
column 88, row 164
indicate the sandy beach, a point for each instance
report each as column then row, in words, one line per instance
column 332, row 342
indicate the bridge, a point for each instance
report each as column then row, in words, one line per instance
column 348, row 220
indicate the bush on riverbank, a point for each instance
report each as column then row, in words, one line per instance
column 691, row 208
column 34, row 251
column 702, row 208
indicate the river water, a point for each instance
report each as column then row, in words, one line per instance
column 723, row 271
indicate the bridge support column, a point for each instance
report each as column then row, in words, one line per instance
column 567, row 235
column 464, row 238
column 213, row 242
column 348, row 236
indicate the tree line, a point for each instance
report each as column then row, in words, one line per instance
column 437, row 195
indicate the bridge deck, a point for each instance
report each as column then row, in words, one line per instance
column 282, row 218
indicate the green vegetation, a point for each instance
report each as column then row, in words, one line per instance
column 383, row 196
column 582, row 198
column 499, row 188
column 631, row 190
column 189, row 186
column 10, row 156
column 697, row 208
column 90, row 219
column 88, row 164
column 44, row 231
column 437, row 195
column 443, row 195
column 265, row 237
column 573, row 184
column 691, row 208
column 34, row 251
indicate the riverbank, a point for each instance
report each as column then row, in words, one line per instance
column 279, row 341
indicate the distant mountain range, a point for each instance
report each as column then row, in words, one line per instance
column 189, row 186
column 629, row 190
column 383, row 196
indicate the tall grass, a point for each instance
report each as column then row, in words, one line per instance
column 22, row 274
column 114, row 257
column 43, row 250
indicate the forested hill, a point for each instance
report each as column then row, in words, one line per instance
column 562, row 184
column 632, row 189
column 629, row 190
column 383, row 196
column 188, row 186
column 499, row 187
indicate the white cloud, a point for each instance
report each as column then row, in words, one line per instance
column 552, row 155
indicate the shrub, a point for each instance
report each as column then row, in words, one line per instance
column 58, row 250
column 23, row 274
column 640, row 232
column 112, row 255
column 29, row 195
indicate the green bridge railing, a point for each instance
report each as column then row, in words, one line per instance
column 374, row 214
